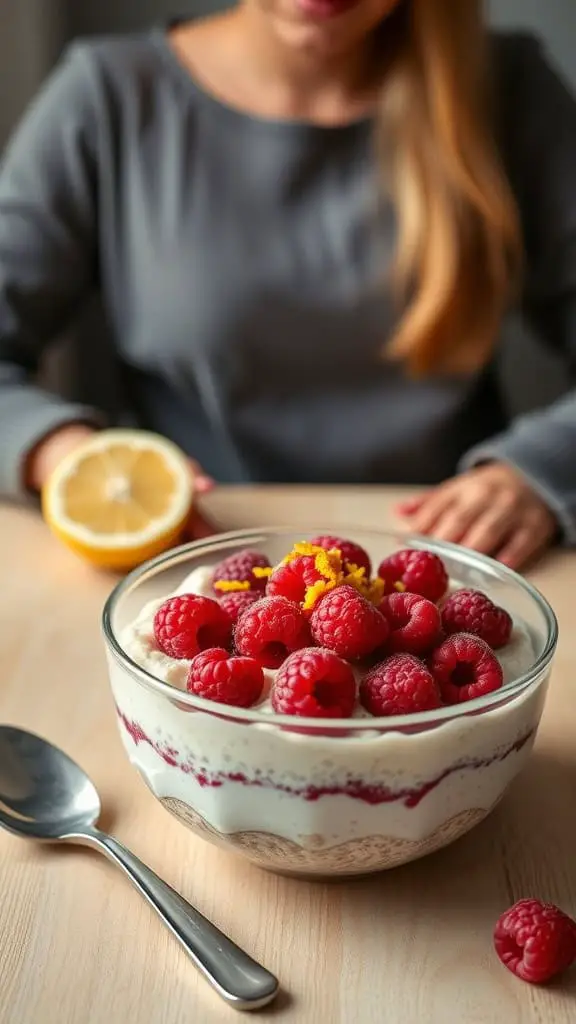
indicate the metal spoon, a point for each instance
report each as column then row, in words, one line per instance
column 44, row 795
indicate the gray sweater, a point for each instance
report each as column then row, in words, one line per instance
column 237, row 256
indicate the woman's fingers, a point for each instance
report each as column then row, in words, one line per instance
column 410, row 507
column 457, row 520
column 202, row 481
column 435, row 505
column 490, row 509
column 534, row 534
column 489, row 531
column 521, row 546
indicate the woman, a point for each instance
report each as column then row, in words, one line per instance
column 309, row 220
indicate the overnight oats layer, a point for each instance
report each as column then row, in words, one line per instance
column 319, row 794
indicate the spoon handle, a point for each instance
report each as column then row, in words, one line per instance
column 242, row 982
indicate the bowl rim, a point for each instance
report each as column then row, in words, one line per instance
column 398, row 723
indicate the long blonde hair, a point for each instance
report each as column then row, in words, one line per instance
column 458, row 256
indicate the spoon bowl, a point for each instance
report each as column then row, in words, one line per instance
column 46, row 796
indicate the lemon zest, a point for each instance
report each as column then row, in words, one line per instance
column 230, row 586
column 357, row 578
column 352, row 567
column 316, row 591
column 328, row 564
column 400, row 587
column 262, row 572
column 376, row 590
column 334, row 572
column 300, row 548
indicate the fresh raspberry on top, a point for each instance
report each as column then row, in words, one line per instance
column 400, row 685
column 238, row 569
column 464, row 668
column 186, row 625
column 237, row 601
column 535, row 940
column 346, row 623
column 470, row 611
column 270, row 630
column 293, row 579
column 351, row 553
column 414, row 623
column 215, row 675
column 314, row 683
column 418, row 572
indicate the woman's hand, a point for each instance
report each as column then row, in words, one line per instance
column 52, row 449
column 491, row 509
column 200, row 526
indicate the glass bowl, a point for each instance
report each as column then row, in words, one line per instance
column 338, row 797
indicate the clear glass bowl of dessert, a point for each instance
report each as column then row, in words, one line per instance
column 312, row 794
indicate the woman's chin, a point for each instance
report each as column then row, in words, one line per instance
column 321, row 36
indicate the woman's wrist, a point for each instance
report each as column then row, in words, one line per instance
column 50, row 451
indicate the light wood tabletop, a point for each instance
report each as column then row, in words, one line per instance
column 411, row 946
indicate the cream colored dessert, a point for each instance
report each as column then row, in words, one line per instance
column 363, row 800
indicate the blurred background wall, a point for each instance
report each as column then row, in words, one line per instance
column 33, row 32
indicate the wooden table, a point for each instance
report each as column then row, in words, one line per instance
column 413, row 946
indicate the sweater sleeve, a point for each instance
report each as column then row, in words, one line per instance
column 48, row 254
column 540, row 147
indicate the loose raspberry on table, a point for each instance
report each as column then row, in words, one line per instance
column 418, row 572
column 237, row 602
column 414, row 623
column 216, row 675
column 270, row 630
column 464, row 668
column 535, row 940
column 345, row 622
column 314, row 683
column 400, row 685
column 238, row 569
column 470, row 611
column 186, row 625
column 351, row 553
column 291, row 580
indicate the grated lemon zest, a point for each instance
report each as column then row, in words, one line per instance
column 300, row 548
column 316, row 591
column 335, row 573
column 377, row 588
column 328, row 564
column 262, row 572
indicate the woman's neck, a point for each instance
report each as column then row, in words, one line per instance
column 242, row 59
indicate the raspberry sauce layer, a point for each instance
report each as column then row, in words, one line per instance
column 353, row 788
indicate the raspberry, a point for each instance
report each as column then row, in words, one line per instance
column 270, row 630
column 346, row 623
column 351, row 553
column 414, row 623
column 238, row 569
column 464, row 668
column 236, row 602
column 401, row 685
column 469, row 611
column 293, row 579
column 535, row 940
column 419, row 572
column 314, row 683
column 215, row 675
column 186, row 625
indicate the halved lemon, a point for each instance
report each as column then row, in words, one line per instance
column 120, row 498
